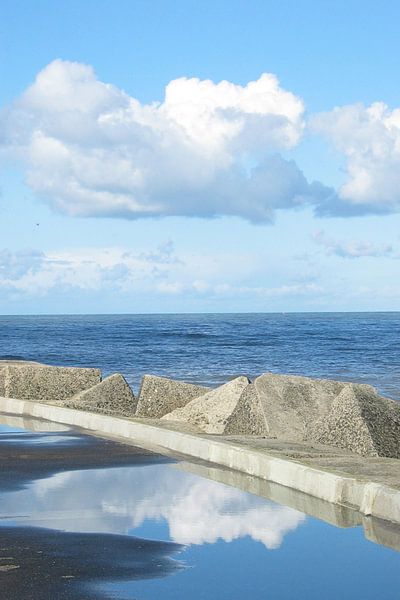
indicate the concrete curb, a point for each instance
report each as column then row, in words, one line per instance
column 369, row 497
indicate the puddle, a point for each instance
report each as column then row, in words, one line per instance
column 84, row 518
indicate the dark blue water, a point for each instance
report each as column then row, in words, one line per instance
column 210, row 349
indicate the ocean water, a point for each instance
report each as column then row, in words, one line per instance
column 210, row 349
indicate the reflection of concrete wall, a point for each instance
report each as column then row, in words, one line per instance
column 376, row 530
column 337, row 515
column 31, row 424
column 382, row 532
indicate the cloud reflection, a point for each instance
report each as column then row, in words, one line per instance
column 118, row 500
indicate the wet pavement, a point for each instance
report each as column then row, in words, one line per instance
column 26, row 455
column 44, row 564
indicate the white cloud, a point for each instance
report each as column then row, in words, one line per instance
column 160, row 271
column 369, row 137
column 206, row 150
column 14, row 266
column 159, row 276
column 352, row 248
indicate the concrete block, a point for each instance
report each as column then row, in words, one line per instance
column 291, row 404
column 4, row 372
column 247, row 418
column 211, row 411
column 112, row 396
column 283, row 406
column 361, row 421
column 35, row 381
column 334, row 413
column 159, row 395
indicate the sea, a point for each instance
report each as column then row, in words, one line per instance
column 210, row 349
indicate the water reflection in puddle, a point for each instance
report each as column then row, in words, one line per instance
column 119, row 529
column 121, row 500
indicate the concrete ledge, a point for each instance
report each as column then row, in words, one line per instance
column 342, row 485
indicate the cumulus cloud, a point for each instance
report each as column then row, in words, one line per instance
column 351, row 248
column 369, row 137
column 207, row 149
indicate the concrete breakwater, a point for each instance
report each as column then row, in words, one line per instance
column 343, row 415
column 336, row 441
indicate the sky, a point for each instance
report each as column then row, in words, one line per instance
column 184, row 156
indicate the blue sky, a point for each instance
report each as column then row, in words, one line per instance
column 180, row 156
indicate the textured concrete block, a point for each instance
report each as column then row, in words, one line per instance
column 335, row 413
column 5, row 371
column 112, row 396
column 211, row 411
column 361, row 421
column 247, row 418
column 35, row 381
column 291, row 404
column 159, row 395
column 282, row 406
